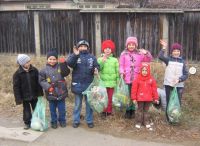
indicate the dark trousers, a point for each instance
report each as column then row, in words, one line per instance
column 168, row 90
column 28, row 107
column 142, row 115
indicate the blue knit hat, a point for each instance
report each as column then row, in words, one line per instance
column 23, row 59
column 82, row 42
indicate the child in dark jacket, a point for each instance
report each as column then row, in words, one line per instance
column 52, row 80
column 84, row 67
column 26, row 87
column 176, row 71
column 144, row 92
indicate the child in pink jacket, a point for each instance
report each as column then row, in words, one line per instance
column 130, row 60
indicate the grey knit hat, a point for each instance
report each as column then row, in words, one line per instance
column 23, row 59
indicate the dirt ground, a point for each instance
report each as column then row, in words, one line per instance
column 187, row 132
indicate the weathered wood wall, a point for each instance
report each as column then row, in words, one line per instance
column 146, row 27
column 16, row 32
column 62, row 29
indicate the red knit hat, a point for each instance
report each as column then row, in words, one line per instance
column 176, row 46
column 108, row 44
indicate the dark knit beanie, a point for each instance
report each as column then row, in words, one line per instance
column 82, row 42
column 52, row 52
column 176, row 46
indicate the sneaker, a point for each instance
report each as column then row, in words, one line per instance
column 63, row 124
column 138, row 126
column 149, row 127
column 103, row 115
column 54, row 125
column 90, row 125
column 109, row 114
column 27, row 126
column 75, row 125
column 127, row 115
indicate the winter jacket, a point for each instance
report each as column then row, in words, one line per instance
column 144, row 88
column 175, row 69
column 25, row 85
column 83, row 66
column 53, row 76
column 109, row 71
column 130, row 63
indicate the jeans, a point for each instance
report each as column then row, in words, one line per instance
column 60, row 104
column 27, row 115
column 77, row 109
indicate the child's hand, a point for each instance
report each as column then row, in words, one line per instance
column 163, row 43
column 75, row 50
column 143, row 51
column 176, row 81
column 96, row 71
column 156, row 101
column 104, row 58
column 122, row 76
column 135, row 102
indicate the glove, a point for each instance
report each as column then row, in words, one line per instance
column 61, row 60
column 51, row 89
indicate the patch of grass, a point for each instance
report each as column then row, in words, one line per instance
column 116, row 125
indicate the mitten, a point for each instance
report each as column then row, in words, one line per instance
column 61, row 60
column 51, row 89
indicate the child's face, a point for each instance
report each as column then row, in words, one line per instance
column 144, row 71
column 27, row 65
column 176, row 53
column 82, row 47
column 52, row 60
column 131, row 46
column 107, row 51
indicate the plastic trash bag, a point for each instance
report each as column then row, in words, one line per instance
column 162, row 99
column 121, row 96
column 174, row 109
column 39, row 121
column 97, row 95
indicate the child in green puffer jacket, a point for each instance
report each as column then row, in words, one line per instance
column 109, row 72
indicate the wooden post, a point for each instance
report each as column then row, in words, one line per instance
column 165, row 34
column 98, row 34
column 37, row 34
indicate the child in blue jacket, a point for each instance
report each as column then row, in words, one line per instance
column 84, row 67
column 52, row 80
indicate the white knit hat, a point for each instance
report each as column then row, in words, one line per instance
column 23, row 59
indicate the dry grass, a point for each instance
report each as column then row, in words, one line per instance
column 116, row 125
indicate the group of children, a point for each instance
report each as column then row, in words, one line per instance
column 133, row 67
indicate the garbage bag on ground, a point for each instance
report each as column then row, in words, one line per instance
column 121, row 96
column 174, row 109
column 97, row 95
column 39, row 121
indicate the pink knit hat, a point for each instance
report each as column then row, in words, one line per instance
column 132, row 40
